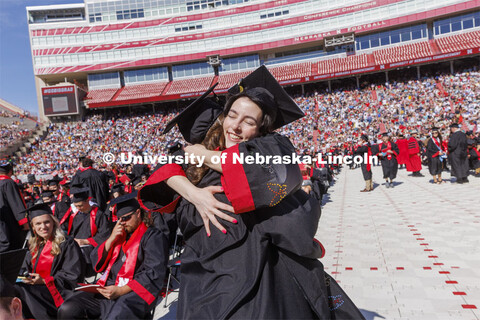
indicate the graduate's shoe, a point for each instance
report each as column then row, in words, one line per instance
column 465, row 180
column 364, row 190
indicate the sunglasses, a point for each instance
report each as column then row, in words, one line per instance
column 127, row 217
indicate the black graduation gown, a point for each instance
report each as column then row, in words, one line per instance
column 266, row 265
column 11, row 220
column 67, row 270
column 457, row 147
column 474, row 159
column 81, row 230
column 98, row 184
column 61, row 207
column 147, row 281
column 364, row 152
column 389, row 166
column 435, row 165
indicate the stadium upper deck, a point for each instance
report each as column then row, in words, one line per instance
column 110, row 45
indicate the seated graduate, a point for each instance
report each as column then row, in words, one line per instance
column 133, row 260
column 87, row 224
column 59, row 208
column 53, row 266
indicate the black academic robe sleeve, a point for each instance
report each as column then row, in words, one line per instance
column 252, row 186
column 148, row 278
column 14, row 200
column 103, row 229
column 293, row 225
column 69, row 267
column 156, row 195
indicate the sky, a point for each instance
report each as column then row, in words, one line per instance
column 17, row 84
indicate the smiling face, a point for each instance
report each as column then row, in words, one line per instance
column 242, row 122
column 43, row 226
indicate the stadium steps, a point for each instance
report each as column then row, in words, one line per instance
column 434, row 46
column 167, row 87
column 117, row 94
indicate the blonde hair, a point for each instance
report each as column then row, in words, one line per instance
column 35, row 242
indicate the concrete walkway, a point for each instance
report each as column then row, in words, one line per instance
column 410, row 252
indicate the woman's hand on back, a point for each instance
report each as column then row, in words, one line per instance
column 209, row 207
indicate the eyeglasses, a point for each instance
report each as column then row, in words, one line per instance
column 127, row 217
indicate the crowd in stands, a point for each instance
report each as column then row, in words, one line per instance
column 332, row 120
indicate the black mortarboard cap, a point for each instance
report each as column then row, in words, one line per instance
column 195, row 121
column 278, row 100
column 79, row 193
column 139, row 169
column 47, row 193
column 385, row 134
column 39, row 209
column 118, row 187
column 136, row 181
column 10, row 265
column 125, row 204
column 454, row 125
column 31, row 178
column 364, row 137
column 435, row 128
column 54, row 181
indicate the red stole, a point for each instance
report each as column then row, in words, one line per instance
column 84, row 169
column 384, row 150
column 45, row 261
column 477, row 152
column 2, row 177
column 44, row 269
column 68, row 215
column 130, row 248
column 437, row 143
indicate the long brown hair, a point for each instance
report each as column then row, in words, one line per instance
column 213, row 140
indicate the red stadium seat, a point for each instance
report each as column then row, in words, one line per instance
column 100, row 95
column 189, row 85
column 458, row 42
column 403, row 52
column 227, row 80
column 292, row 71
column 140, row 91
column 343, row 64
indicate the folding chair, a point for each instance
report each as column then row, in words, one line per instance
column 174, row 264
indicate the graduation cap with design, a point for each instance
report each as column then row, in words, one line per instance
column 195, row 121
column 272, row 98
column 6, row 164
column 126, row 204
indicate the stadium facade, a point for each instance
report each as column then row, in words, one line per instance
column 113, row 53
